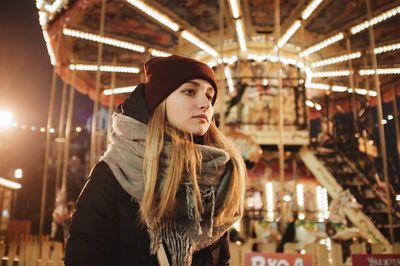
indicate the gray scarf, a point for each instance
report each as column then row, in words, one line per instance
column 183, row 235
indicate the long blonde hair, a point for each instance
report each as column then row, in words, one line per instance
column 184, row 158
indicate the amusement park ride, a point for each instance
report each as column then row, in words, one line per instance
column 280, row 63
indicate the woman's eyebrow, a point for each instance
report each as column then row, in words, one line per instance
column 193, row 82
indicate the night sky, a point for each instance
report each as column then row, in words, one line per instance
column 25, row 69
column 25, row 80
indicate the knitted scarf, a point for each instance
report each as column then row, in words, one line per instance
column 186, row 232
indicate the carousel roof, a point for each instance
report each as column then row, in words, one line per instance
column 320, row 37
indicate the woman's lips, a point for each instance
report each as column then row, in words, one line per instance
column 202, row 117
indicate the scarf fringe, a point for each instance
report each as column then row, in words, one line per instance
column 192, row 208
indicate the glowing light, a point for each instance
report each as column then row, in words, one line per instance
column 78, row 129
column 159, row 53
column 272, row 58
column 310, row 8
column 225, row 60
column 286, row 198
column 196, row 41
column 317, row 107
column 300, row 195
column 384, row 121
column 338, row 88
column 317, row 86
column 105, row 40
column 9, row 184
column 54, row 7
column 387, row 48
column 289, row 33
column 337, row 59
column 6, row 119
column 398, row 197
column 323, row 44
column 390, row 117
column 309, row 103
column 339, row 73
column 18, row 173
column 52, row 130
column 240, row 33
column 375, row 20
column 270, row 200
column 42, row 129
column 150, row 11
column 236, row 225
column 379, row 71
column 322, row 203
column 104, row 68
column 128, row 89
column 229, row 80
column 49, row 48
column 234, row 8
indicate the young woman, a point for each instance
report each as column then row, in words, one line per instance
column 169, row 186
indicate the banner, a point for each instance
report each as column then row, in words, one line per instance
column 376, row 259
column 276, row 259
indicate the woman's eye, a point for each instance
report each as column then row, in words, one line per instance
column 209, row 96
column 189, row 92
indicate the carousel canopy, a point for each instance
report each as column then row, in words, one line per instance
column 328, row 41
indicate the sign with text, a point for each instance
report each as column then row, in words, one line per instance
column 376, row 259
column 276, row 259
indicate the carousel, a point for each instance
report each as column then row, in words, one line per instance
column 309, row 96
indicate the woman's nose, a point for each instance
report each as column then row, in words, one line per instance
column 204, row 102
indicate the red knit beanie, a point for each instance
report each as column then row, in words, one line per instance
column 165, row 74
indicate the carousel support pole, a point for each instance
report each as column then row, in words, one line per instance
column 93, row 138
column 281, row 148
column 367, row 85
column 396, row 121
column 303, row 44
column 380, row 125
column 61, row 134
column 327, row 98
column 111, row 102
column 47, row 149
column 295, row 179
column 351, row 85
column 221, row 82
column 68, row 134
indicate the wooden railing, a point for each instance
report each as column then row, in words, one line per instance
column 32, row 251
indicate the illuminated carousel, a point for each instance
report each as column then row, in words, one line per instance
column 304, row 85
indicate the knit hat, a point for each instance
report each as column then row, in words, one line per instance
column 165, row 74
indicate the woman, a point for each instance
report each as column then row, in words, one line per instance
column 169, row 186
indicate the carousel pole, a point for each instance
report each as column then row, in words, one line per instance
column 396, row 122
column 61, row 134
column 351, row 84
column 47, row 147
column 111, row 102
column 303, row 43
column 280, row 104
column 93, row 138
column 380, row 125
column 221, row 66
column 367, row 85
column 68, row 134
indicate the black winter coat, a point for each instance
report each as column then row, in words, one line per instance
column 106, row 231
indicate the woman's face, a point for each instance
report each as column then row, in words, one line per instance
column 189, row 107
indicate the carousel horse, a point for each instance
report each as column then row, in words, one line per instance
column 337, row 217
column 345, row 200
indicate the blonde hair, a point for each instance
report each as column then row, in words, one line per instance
column 184, row 158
